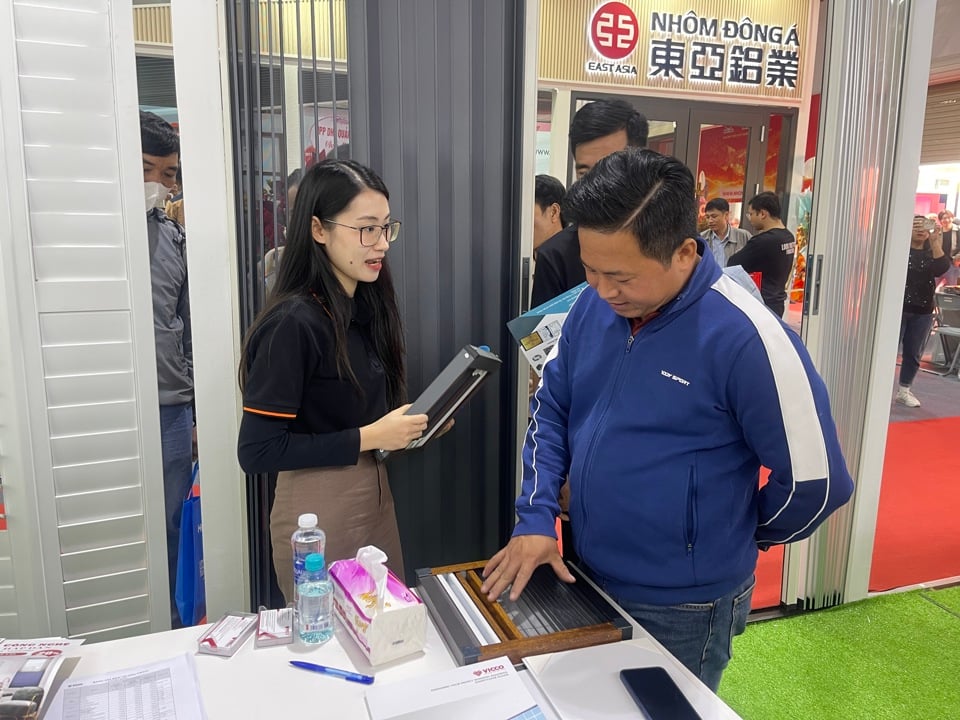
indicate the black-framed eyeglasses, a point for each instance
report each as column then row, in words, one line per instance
column 370, row 234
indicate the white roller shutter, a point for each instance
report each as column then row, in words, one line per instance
column 941, row 125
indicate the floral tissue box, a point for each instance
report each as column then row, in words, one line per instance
column 399, row 628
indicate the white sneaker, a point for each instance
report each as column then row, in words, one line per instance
column 905, row 397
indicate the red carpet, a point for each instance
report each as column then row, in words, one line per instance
column 766, row 593
column 918, row 524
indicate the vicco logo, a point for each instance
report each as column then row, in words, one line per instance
column 614, row 34
column 488, row 670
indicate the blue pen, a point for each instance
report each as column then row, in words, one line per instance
column 335, row 672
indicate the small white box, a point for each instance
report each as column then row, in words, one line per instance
column 226, row 635
column 399, row 629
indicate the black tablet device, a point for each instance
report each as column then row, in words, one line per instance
column 450, row 389
column 657, row 695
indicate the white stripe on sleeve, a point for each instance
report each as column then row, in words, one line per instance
column 535, row 424
column 801, row 422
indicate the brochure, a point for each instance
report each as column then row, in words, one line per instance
column 27, row 670
column 538, row 330
column 489, row 690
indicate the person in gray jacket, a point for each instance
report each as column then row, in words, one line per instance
column 160, row 146
column 722, row 238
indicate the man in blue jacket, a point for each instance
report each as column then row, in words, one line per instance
column 671, row 385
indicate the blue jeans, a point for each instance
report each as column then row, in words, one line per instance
column 914, row 331
column 176, row 440
column 699, row 635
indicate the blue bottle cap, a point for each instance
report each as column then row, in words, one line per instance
column 485, row 348
column 313, row 562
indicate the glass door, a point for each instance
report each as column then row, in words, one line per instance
column 726, row 151
column 734, row 152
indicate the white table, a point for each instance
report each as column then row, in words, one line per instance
column 260, row 683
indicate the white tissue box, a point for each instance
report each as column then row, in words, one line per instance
column 398, row 630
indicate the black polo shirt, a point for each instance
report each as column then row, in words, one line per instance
column 558, row 266
column 770, row 253
column 298, row 411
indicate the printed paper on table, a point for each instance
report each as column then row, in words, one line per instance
column 490, row 690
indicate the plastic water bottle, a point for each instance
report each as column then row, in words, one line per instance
column 315, row 604
column 306, row 539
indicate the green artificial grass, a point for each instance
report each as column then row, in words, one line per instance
column 890, row 657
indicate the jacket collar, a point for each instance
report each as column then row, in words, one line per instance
column 704, row 275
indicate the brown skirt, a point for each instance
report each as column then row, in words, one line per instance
column 354, row 507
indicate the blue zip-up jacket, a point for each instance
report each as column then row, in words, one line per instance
column 663, row 435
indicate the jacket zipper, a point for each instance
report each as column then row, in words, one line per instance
column 691, row 529
column 591, row 448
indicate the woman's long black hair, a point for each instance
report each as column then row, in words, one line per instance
column 306, row 274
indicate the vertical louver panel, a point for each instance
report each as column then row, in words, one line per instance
column 9, row 618
column 93, row 389
column 865, row 158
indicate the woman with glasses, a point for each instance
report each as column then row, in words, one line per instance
column 322, row 371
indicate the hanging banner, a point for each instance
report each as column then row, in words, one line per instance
column 712, row 47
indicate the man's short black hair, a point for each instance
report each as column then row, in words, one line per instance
column 605, row 117
column 157, row 136
column 718, row 204
column 650, row 194
column 547, row 190
column 766, row 201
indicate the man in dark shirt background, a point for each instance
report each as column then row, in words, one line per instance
column 598, row 129
column 548, row 194
column 769, row 252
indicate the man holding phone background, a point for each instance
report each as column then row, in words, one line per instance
column 669, row 387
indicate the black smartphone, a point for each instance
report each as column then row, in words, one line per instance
column 657, row 695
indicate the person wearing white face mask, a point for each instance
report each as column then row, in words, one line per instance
column 160, row 146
